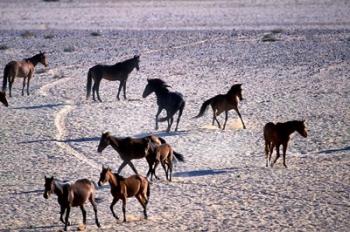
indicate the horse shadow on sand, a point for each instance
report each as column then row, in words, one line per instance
column 330, row 151
column 162, row 133
column 78, row 140
column 205, row 172
column 39, row 106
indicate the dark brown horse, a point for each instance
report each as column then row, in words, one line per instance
column 123, row 188
column 170, row 101
column 23, row 69
column 223, row 103
column 117, row 72
column 3, row 99
column 129, row 148
column 164, row 154
column 72, row 195
column 278, row 134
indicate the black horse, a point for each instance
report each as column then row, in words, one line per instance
column 117, row 72
column 170, row 101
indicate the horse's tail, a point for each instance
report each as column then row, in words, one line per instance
column 204, row 108
column 88, row 84
column 6, row 76
column 179, row 156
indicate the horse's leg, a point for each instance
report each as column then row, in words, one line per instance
column 61, row 214
column 226, row 117
column 67, row 217
column 170, row 169
column 122, row 166
column 165, row 170
column 170, row 123
column 157, row 114
column 217, row 121
column 83, row 211
column 115, row 200
column 154, row 170
column 143, row 203
column 24, row 85
column 11, row 79
column 267, row 153
column 271, row 147
column 277, row 154
column 179, row 117
column 133, row 167
column 284, row 154
column 124, row 88
column 119, row 89
column 94, row 206
column 93, row 91
column 239, row 115
column 98, row 90
column 123, row 207
column 28, row 81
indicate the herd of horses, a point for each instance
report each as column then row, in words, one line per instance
column 153, row 148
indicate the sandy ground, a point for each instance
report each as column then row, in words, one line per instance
column 200, row 48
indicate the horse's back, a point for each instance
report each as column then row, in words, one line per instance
column 134, row 184
column 80, row 192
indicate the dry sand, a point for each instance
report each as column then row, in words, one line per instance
column 200, row 48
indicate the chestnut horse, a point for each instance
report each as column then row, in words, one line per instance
column 164, row 154
column 117, row 72
column 278, row 134
column 123, row 188
column 223, row 103
column 130, row 148
column 23, row 69
column 3, row 99
column 72, row 195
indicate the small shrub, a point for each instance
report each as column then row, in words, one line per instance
column 27, row 34
column 277, row 31
column 95, row 33
column 49, row 36
column 268, row 38
column 69, row 49
column 3, row 47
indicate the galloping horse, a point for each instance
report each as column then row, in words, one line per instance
column 117, row 72
column 279, row 134
column 224, row 102
column 72, row 195
column 24, row 69
column 164, row 154
column 3, row 99
column 130, row 148
column 170, row 101
column 123, row 188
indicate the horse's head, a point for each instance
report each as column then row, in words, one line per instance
column 104, row 141
column 43, row 58
column 49, row 186
column 237, row 91
column 3, row 99
column 301, row 128
column 148, row 89
column 137, row 61
column 104, row 176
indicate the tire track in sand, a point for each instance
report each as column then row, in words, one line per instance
column 60, row 119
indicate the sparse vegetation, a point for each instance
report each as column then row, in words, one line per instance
column 51, row 0
column 268, row 38
column 27, row 34
column 95, row 33
column 277, row 31
column 3, row 47
column 49, row 36
column 69, row 49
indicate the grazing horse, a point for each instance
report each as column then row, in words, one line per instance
column 123, row 188
column 117, row 72
column 129, row 148
column 72, row 195
column 24, row 69
column 164, row 154
column 223, row 103
column 279, row 134
column 3, row 99
column 170, row 101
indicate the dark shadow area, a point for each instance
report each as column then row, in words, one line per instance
column 79, row 140
column 39, row 228
column 334, row 150
column 38, row 191
column 162, row 133
column 205, row 172
column 39, row 106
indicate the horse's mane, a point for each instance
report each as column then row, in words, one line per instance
column 37, row 56
column 158, row 84
column 235, row 88
column 118, row 177
column 124, row 63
